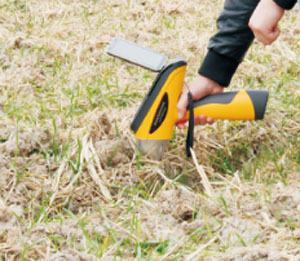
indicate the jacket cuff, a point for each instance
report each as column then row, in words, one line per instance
column 218, row 68
column 285, row 4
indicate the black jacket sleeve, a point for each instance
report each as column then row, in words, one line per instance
column 228, row 46
column 286, row 4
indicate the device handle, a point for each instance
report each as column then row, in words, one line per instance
column 234, row 105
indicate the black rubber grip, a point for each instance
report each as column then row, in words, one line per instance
column 221, row 98
column 259, row 99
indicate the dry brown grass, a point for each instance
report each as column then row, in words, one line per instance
column 72, row 185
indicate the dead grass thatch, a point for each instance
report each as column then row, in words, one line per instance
column 72, row 184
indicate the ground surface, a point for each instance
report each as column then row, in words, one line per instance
column 72, row 185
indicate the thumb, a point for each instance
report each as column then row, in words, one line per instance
column 181, row 114
column 269, row 37
column 275, row 33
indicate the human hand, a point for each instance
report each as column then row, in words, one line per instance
column 264, row 21
column 199, row 87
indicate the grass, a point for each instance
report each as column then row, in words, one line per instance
column 72, row 184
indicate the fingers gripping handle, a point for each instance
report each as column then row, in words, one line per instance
column 236, row 105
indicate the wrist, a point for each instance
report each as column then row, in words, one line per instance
column 211, row 86
column 202, row 86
